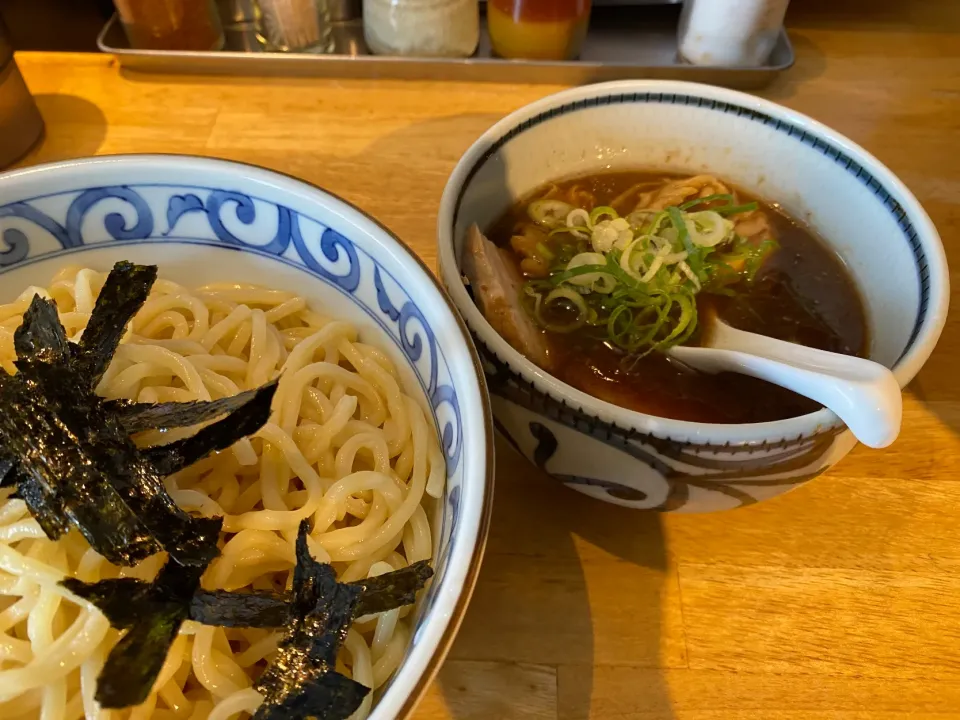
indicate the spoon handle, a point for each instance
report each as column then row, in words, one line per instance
column 864, row 394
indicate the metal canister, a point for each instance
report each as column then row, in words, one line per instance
column 20, row 122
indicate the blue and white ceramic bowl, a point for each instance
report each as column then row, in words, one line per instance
column 854, row 202
column 206, row 221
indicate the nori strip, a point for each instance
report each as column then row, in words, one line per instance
column 327, row 696
column 135, row 661
column 256, row 609
column 119, row 599
column 245, row 420
column 137, row 417
column 394, row 589
column 122, row 467
column 40, row 335
column 153, row 615
column 33, row 429
column 123, row 294
column 7, row 476
column 264, row 609
column 43, row 506
column 297, row 684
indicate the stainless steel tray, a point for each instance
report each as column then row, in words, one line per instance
column 623, row 42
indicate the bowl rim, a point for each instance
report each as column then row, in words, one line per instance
column 630, row 421
column 453, row 620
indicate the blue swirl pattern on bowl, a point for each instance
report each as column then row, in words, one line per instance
column 68, row 222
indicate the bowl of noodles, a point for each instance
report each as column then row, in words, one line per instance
column 371, row 458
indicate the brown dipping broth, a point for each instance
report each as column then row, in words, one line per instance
column 802, row 294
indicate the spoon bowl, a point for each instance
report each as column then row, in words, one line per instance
column 864, row 394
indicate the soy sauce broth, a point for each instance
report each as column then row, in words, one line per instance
column 802, row 293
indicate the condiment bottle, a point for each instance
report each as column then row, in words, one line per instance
column 20, row 122
column 171, row 24
column 538, row 29
column 297, row 25
column 424, row 28
column 732, row 33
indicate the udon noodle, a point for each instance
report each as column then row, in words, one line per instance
column 344, row 445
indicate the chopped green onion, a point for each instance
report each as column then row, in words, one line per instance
column 736, row 209
column 726, row 197
column 549, row 212
column 544, row 251
column 681, row 227
column 602, row 211
column 572, row 297
column 634, row 280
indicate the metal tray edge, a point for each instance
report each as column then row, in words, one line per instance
column 492, row 70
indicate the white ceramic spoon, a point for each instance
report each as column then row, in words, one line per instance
column 864, row 394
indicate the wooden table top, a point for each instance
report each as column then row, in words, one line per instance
column 839, row 600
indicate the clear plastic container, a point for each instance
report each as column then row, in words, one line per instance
column 422, row 28
column 171, row 24
column 538, row 29
column 730, row 33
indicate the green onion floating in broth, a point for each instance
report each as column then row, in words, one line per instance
column 633, row 282
column 549, row 213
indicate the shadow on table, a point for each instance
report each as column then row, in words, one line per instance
column 550, row 603
column 73, row 128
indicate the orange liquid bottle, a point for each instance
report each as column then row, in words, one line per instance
column 538, row 29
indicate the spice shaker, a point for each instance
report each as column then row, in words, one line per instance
column 297, row 25
column 423, row 28
column 733, row 33
column 20, row 122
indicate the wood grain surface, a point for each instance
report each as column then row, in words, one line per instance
column 839, row 600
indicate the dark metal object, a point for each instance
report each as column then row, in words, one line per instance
column 20, row 122
column 622, row 43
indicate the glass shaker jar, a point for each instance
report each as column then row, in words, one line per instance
column 171, row 24
column 732, row 33
column 538, row 29
column 297, row 25
column 424, row 28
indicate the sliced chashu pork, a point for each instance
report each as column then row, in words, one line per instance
column 496, row 285
column 680, row 191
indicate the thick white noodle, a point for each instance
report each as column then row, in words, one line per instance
column 345, row 446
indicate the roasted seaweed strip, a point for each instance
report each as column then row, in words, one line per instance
column 41, row 336
column 51, row 455
column 298, row 683
column 263, row 609
column 255, row 609
column 245, row 420
column 123, row 294
column 8, row 477
column 152, row 614
column 327, row 696
column 131, row 669
column 122, row 467
column 137, row 417
column 394, row 589
column 43, row 507
column 121, row 505
column 121, row 600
